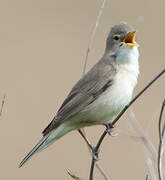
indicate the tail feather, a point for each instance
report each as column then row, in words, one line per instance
column 47, row 140
column 33, row 151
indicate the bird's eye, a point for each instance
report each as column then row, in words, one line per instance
column 116, row 37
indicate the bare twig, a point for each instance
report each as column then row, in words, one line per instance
column 144, row 137
column 2, row 105
column 147, row 145
column 73, row 176
column 161, row 143
column 151, row 167
column 93, row 34
column 102, row 171
column 90, row 146
column 82, row 131
column 147, row 177
column 117, row 118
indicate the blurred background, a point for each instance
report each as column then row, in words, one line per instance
column 42, row 50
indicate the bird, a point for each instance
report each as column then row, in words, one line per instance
column 102, row 93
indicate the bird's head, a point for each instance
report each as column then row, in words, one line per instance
column 121, row 36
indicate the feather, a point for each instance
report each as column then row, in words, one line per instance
column 33, row 151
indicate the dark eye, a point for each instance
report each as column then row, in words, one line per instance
column 116, row 37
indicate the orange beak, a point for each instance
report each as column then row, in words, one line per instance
column 129, row 40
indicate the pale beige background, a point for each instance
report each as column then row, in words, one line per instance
column 42, row 49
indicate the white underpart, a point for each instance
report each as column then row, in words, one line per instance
column 106, row 107
column 112, row 101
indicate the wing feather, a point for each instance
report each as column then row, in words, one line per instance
column 86, row 90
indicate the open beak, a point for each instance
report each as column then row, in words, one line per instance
column 129, row 40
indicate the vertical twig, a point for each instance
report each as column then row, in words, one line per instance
column 93, row 34
column 85, row 65
column 147, row 177
column 145, row 139
column 102, row 171
column 2, row 105
column 146, row 143
column 161, row 143
column 95, row 154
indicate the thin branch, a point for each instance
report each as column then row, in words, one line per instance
column 102, row 171
column 90, row 147
column 96, row 152
column 147, row 177
column 2, row 105
column 160, row 149
column 93, row 34
column 141, row 133
column 73, row 176
column 99, row 167
column 84, row 69
column 151, row 167
column 147, row 145
column 118, row 117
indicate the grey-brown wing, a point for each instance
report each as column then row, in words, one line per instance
column 84, row 92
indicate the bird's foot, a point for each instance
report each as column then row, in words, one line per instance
column 113, row 133
column 110, row 130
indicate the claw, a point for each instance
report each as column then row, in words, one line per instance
column 109, row 125
column 113, row 133
column 110, row 130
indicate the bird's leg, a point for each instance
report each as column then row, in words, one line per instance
column 109, row 128
column 91, row 147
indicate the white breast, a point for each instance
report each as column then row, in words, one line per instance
column 119, row 94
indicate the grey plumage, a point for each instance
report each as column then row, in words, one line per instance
column 34, row 150
column 89, row 87
column 121, row 29
column 100, row 85
column 86, row 90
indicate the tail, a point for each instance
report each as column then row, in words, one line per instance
column 46, row 141
column 33, row 151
